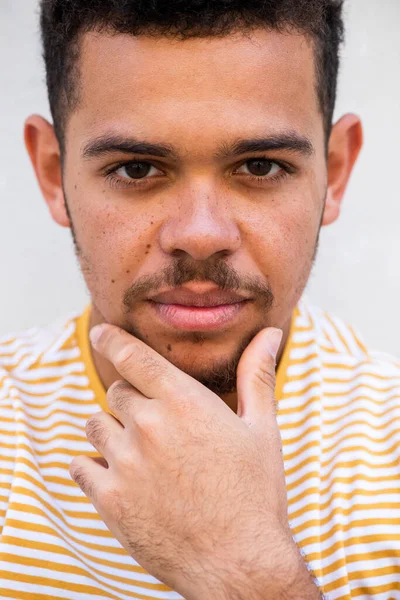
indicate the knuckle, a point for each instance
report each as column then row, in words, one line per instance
column 121, row 403
column 110, row 496
column 79, row 475
column 95, row 430
column 117, row 387
column 127, row 461
column 119, row 395
column 266, row 376
column 125, row 356
column 149, row 421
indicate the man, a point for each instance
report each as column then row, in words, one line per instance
column 193, row 157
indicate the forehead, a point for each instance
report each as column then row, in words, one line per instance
column 146, row 85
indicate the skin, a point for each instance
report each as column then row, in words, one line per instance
column 207, row 514
column 199, row 212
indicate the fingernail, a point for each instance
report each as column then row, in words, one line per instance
column 95, row 334
column 274, row 341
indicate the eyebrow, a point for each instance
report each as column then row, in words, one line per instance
column 290, row 141
column 109, row 144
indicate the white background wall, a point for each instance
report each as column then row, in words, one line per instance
column 357, row 274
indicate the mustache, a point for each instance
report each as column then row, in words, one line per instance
column 183, row 271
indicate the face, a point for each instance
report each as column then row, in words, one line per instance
column 197, row 165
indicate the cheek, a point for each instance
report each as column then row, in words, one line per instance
column 113, row 241
column 285, row 247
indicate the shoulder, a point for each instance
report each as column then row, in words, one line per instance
column 21, row 351
column 345, row 356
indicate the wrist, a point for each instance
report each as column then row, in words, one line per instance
column 283, row 576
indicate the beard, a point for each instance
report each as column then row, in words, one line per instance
column 221, row 376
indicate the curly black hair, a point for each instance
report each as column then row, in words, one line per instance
column 62, row 22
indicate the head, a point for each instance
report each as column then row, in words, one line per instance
column 192, row 141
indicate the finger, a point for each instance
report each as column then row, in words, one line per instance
column 122, row 399
column 256, row 376
column 145, row 369
column 104, row 433
column 88, row 474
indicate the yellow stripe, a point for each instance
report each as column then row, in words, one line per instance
column 394, row 464
column 344, row 527
column 346, row 496
column 82, row 333
column 370, row 591
column 353, row 558
column 282, row 373
column 73, row 570
column 304, row 360
column 56, row 584
column 300, row 408
column 38, row 452
column 339, row 510
column 46, row 547
column 357, row 477
column 338, row 333
column 47, row 429
column 37, row 528
column 361, row 346
column 18, row 595
column 67, row 399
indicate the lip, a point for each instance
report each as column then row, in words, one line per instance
column 196, row 296
column 192, row 318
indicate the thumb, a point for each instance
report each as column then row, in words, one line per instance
column 256, row 377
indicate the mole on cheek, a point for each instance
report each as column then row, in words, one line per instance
column 128, row 271
column 112, row 280
column 169, row 347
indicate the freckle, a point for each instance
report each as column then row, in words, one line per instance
column 128, row 271
column 152, row 223
column 75, row 187
column 112, row 280
column 147, row 252
column 169, row 347
column 149, row 246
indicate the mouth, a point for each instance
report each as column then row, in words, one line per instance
column 198, row 318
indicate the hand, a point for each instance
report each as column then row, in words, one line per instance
column 195, row 493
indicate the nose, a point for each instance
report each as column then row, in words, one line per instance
column 203, row 226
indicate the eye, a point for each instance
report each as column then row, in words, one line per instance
column 137, row 170
column 260, row 167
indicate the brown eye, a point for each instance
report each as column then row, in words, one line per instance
column 260, row 167
column 136, row 170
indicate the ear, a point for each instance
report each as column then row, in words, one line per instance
column 344, row 147
column 44, row 152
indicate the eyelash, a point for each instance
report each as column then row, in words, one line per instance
column 117, row 182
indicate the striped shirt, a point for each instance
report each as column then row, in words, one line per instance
column 339, row 417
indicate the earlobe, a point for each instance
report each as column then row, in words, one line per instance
column 332, row 209
column 344, row 147
column 44, row 152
